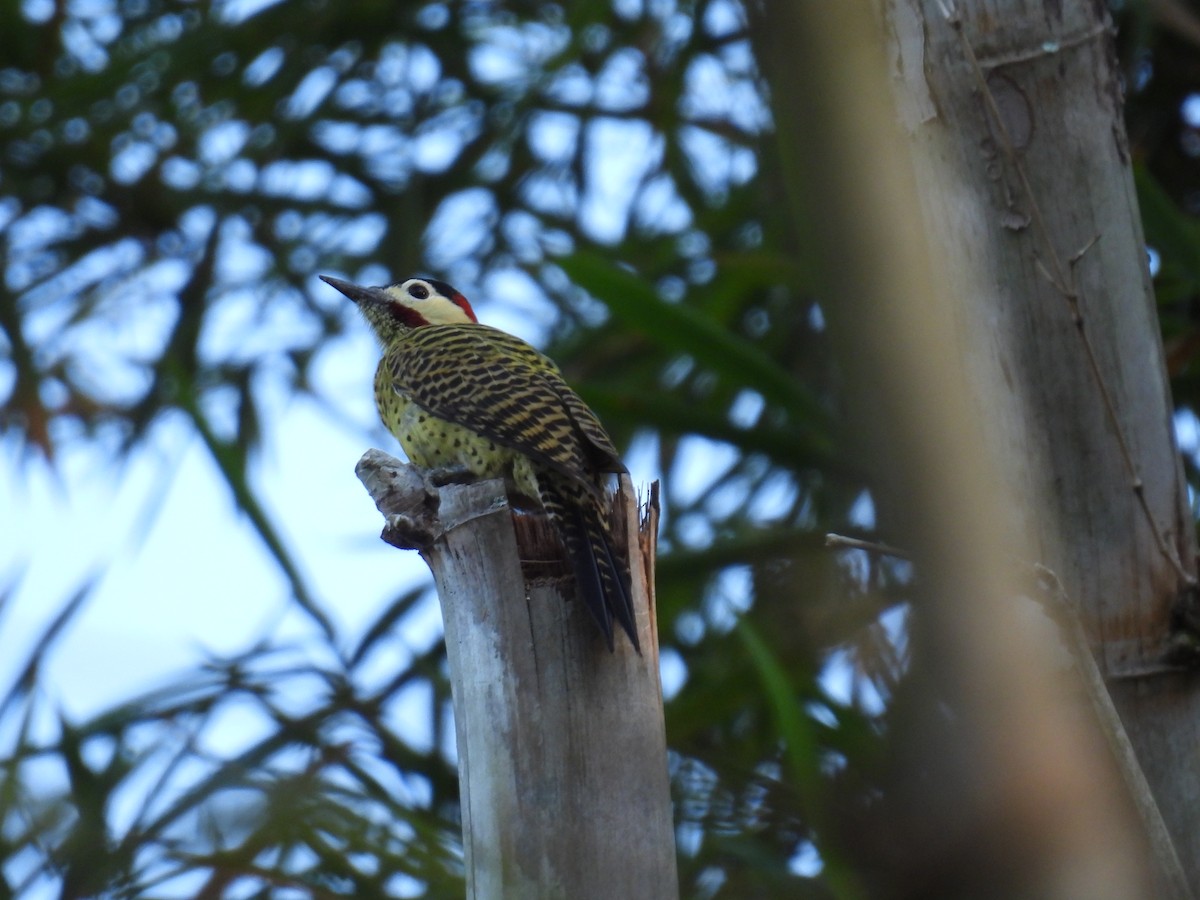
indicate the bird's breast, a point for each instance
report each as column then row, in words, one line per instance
column 431, row 442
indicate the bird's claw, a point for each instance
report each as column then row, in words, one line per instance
column 409, row 531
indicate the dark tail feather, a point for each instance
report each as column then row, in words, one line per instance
column 614, row 573
column 600, row 572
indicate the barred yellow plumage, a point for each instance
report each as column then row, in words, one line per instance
column 461, row 395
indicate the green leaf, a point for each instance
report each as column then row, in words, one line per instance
column 800, row 744
column 680, row 327
column 1173, row 233
column 792, row 447
column 800, row 748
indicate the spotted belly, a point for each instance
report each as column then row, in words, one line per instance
column 430, row 442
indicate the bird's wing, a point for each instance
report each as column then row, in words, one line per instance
column 599, row 445
column 498, row 386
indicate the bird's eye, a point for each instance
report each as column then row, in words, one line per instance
column 418, row 292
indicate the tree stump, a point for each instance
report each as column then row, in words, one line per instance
column 561, row 744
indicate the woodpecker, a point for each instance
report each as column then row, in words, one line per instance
column 460, row 395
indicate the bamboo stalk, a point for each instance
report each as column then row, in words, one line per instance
column 561, row 744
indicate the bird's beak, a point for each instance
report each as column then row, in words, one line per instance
column 355, row 292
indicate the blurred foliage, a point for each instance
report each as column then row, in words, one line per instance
column 172, row 178
column 1160, row 50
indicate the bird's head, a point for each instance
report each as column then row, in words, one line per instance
column 391, row 311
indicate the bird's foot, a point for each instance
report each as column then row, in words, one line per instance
column 410, row 531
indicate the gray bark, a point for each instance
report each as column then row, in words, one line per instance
column 1038, row 234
